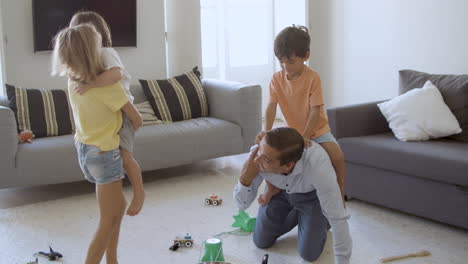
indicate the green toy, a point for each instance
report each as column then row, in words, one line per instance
column 213, row 250
column 244, row 221
column 213, row 247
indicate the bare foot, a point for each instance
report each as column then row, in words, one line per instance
column 264, row 198
column 137, row 203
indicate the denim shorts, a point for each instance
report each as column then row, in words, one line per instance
column 327, row 137
column 100, row 167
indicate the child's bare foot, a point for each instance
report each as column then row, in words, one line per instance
column 265, row 198
column 137, row 203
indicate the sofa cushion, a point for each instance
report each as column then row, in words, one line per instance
column 454, row 90
column 147, row 113
column 49, row 159
column 178, row 98
column 442, row 160
column 419, row 115
column 44, row 112
column 138, row 94
column 156, row 147
column 172, row 144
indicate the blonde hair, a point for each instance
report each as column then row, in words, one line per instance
column 93, row 18
column 77, row 54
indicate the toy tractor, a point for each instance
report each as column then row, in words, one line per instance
column 186, row 241
column 214, row 200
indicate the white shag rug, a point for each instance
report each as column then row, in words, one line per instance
column 65, row 217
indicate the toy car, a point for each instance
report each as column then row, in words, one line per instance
column 214, row 200
column 186, row 241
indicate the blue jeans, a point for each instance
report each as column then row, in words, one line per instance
column 283, row 213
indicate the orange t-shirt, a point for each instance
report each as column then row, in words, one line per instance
column 295, row 97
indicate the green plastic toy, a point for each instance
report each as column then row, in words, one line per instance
column 244, row 221
column 213, row 250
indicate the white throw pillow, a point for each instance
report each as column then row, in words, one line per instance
column 420, row 114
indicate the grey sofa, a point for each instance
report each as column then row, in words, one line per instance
column 427, row 179
column 233, row 122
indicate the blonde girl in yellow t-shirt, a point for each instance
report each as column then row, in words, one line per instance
column 98, row 118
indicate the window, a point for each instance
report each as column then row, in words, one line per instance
column 237, row 37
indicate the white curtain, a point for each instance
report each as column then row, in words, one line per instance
column 237, row 37
column 183, row 36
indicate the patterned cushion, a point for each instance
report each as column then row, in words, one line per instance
column 178, row 98
column 147, row 113
column 44, row 112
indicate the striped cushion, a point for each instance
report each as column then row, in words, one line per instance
column 178, row 98
column 44, row 112
column 147, row 113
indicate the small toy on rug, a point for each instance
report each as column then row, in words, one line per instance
column 423, row 253
column 213, row 251
column 25, row 136
column 265, row 259
column 213, row 246
column 186, row 241
column 214, row 200
column 244, row 221
column 52, row 255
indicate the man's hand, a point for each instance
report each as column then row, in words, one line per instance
column 137, row 122
column 250, row 169
column 82, row 88
column 260, row 137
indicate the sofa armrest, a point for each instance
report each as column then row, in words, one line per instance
column 238, row 103
column 357, row 120
column 8, row 140
column 4, row 101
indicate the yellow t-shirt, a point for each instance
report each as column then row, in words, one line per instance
column 296, row 97
column 97, row 115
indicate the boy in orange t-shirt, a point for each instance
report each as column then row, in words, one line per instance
column 297, row 90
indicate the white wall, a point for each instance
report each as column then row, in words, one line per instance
column 183, row 36
column 358, row 46
column 2, row 52
column 32, row 70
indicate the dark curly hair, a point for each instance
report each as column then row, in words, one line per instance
column 294, row 40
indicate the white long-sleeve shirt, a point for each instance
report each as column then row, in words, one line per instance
column 314, row 171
